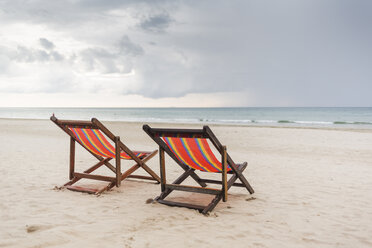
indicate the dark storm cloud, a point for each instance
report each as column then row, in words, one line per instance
column 305, row 52
column 285, row 52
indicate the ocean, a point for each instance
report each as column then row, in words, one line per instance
column 350, row 117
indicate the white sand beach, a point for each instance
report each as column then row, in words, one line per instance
column 312, row 189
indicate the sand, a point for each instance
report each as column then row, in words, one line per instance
column 313, row 189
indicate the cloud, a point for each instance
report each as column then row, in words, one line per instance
column 98, row 59
column 46, row 44
column 127, row 47
column 30, row 55
column 4, row 62
column 70, row 13
column 102, row 61
column 156, row 23
column 118, row 60
column 39, row 70
column 288, row 53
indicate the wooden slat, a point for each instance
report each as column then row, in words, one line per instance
column 193, row 189
column 112, row 168
column 89, row 170
column 141, row 177
column 176, row 132
column 149, row 156
column 181, row 204
column 129, row 171
column 212, row 205
column 130, row 153
column 234, row 177
column 219, row 182
column 150, row 171
column 94, row 177
column 108, row 187
column 96, row 166
column 140, row 162
column 82, row 189
column 242, row 178
column 76, row 123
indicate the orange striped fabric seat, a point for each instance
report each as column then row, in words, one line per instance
column 96, row 142
column 195, row 153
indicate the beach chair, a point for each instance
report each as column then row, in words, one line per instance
column 190, row 149
column 95, row 138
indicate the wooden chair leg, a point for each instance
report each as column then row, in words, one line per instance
column 212, row 205
column 90, row 170
column 179, row 180
column 239, row 173
column 224, row 174
column 162, row 169
column 117, row 161
column 69, row 184
column 218, row 198
column 72, row 158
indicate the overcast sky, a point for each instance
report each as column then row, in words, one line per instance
column 160, row 53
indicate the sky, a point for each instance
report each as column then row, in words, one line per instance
column 205, row 53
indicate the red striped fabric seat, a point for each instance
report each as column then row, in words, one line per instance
column 96, row 142
column 195, row 153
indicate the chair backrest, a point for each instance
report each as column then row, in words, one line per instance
column 189, row 147
column 92, row 135
column 93, row 140
column 96, row 142
column 194, row 152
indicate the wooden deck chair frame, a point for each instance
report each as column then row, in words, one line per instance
column 236, row 169
column 74, row 177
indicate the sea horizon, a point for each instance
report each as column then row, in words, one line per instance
column 350, row 117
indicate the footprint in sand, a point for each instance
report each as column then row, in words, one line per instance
column 251, row 198
column 34, row 228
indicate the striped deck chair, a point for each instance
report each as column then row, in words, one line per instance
column 92, row 135
column 190, row 149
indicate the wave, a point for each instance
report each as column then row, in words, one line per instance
column 285, row 121
column 352, row 123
